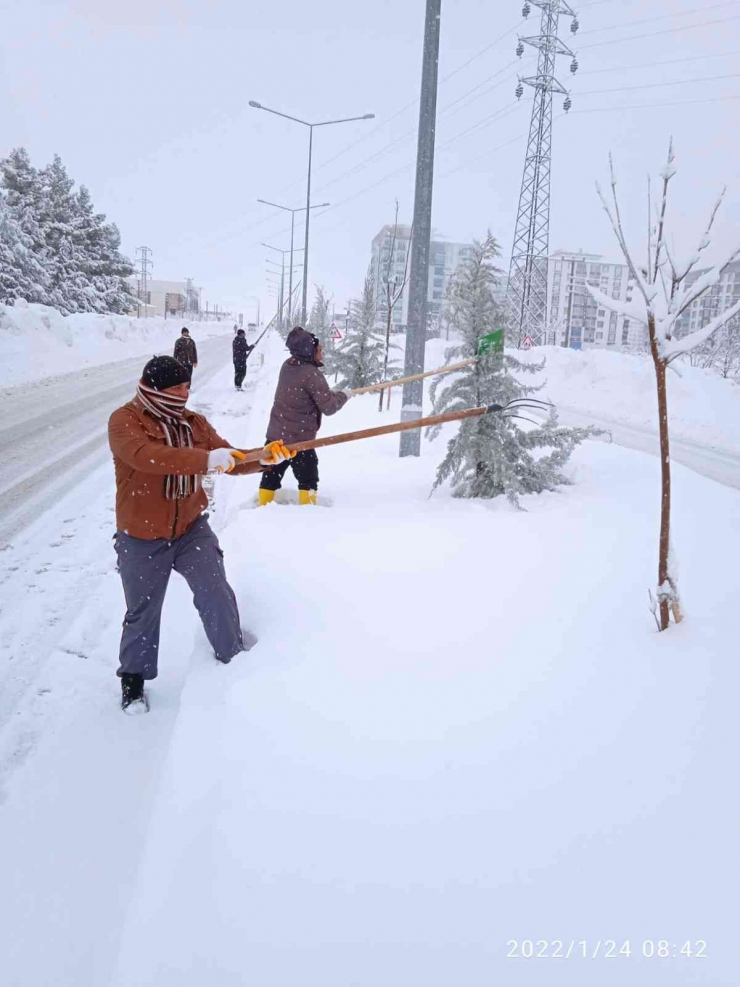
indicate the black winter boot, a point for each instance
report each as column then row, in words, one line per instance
column 133, row 697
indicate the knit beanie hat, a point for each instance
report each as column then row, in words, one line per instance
column 185, row 331
column 302, row 343
column 164, row 371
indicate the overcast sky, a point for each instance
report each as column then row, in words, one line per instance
column 147, row 103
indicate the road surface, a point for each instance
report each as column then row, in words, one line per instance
column 53, row 432
column 720, row 465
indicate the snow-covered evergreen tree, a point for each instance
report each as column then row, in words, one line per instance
column 70, row 289
column 360, row 357
column 491, row 455
column 318, row 319
column 86, row 271
column 22, row 274
column 102, row 263
column 24, row 194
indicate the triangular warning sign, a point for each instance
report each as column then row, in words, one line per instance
column 336, row 332
column 527, row 343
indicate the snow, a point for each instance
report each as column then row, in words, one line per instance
column 37, row 341
column 458, row 728
column 620, row 387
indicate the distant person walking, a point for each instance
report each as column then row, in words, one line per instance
column 301, row 398
column 186, row 352
column 161, row 450
column 240, row 349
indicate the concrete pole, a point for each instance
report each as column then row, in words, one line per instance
column 304, row 306
column 413, row 393
column 290, row 272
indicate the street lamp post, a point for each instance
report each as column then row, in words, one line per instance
column 290, row 274
column 322, row 123
column 292, row 212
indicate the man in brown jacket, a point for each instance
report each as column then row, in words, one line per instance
column 302, row 396
column 160, row 452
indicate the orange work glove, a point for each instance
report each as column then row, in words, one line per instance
column 275, row 453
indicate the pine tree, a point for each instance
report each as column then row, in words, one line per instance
column 24, row 196
column 70, row 290
column 318, row 320
column 86, row 271
column 22, row 274
column 359, row 359
column 101, row 261
column 491, row 455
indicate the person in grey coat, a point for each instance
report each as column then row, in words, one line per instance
column 302, row 397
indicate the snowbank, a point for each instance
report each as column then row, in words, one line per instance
column 620, row 388
column 37, row 341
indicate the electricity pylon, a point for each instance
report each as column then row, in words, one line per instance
column 527, row 290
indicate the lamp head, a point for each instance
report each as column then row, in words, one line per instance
column 255, row 104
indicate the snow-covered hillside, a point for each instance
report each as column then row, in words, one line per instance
column 459, row 730
column 37, row 341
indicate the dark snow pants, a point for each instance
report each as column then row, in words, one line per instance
column 240, row 372
column 305, row 468
column 145, row 568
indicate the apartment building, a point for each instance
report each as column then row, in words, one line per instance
column 575, row 320
column 444, row 258
column 713, row 302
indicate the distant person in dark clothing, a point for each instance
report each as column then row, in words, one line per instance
column 240, row 349
column 186, row 352
column 301, row 398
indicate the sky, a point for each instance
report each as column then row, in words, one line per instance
column 147, row 102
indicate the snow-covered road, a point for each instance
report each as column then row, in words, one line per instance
column 720, row 465
column 53, row 431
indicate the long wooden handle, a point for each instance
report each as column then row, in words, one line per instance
column 407, row 380
column 369, row 433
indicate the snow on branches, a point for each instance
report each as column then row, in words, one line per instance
column 490, row 456
column 54, row 248
column 665, row 290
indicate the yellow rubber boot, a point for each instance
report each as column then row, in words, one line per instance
column 308, row 497
column 265, row 496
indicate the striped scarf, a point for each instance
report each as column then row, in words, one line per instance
column 168, row 410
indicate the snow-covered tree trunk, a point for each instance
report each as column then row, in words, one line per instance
column 667, row 591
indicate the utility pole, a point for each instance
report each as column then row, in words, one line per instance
column 527, row 291
column 413, row 393
column 188, row 295
column 145, row 264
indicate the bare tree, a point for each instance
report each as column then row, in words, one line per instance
column 664, row 293
column 393, row 287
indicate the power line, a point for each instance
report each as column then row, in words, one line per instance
column 412, row 103
column 663, row 17
column 655, row 34
column 411, row 133
column 656, row 85
column 667, row 61
column 643, row 106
